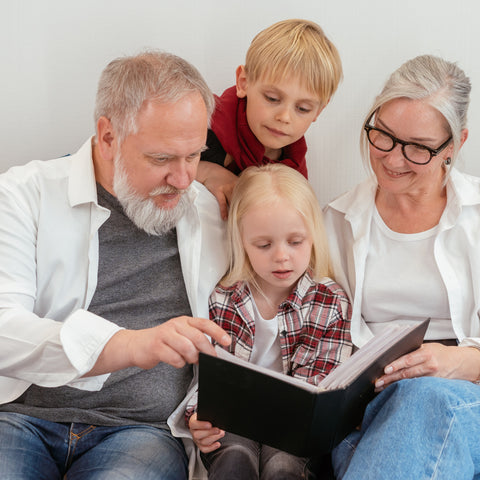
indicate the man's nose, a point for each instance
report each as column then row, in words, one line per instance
column 181, row 174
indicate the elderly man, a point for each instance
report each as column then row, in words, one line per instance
column 107, row 258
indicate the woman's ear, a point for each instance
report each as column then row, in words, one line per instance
column 242, row 82
column 463, row 136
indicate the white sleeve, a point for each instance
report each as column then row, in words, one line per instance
column 35, row 349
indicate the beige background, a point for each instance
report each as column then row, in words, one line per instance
column 52, row 52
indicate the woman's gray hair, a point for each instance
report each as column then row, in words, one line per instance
column 128, row 82
column 440, row 83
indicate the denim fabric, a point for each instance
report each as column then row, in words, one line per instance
column 421, row 428
column 241, row 458
column 33, row 449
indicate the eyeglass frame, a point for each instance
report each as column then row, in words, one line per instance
column 433, row 151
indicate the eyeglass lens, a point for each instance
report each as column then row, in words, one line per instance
column 384, row 142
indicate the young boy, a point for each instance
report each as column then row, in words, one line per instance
column 290, row 73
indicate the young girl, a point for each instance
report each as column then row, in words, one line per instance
column 278, row 304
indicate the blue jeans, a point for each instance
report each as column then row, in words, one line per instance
column 37, row 449
column 241, row 458
column 420, row 428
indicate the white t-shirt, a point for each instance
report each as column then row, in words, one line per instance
column 266, row 345
column 402, row 281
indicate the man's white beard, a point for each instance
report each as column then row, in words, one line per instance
column 143, row 212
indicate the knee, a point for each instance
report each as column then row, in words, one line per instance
column 233, row 454
column 412, row 397
column 239, row 453
column 432, row 392
column 284, row 466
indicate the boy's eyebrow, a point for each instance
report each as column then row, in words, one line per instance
column 313, row 99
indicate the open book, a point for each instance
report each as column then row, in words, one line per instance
column 288, row 413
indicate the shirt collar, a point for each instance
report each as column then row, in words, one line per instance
column 241, row 291
column 462, row 191
column 82, row 184
column 357, row 201
column 81, row 178
column 295, row 299
column 463, row 188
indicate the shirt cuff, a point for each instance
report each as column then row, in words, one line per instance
column 83, row 337
column 470, row 342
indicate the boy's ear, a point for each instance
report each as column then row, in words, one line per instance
column 320, row 109
column 242, row 82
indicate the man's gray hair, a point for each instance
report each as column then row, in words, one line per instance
column 442, row 84
column 128, row 82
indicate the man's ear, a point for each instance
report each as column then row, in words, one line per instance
column 106, row 139
column 242, row 82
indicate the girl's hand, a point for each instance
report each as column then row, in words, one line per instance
column 205, row 435
column 434, row 360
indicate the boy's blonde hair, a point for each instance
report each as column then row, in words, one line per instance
column 299, row 48
column 261, row 187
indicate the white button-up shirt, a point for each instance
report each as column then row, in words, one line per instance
column 49, row 222
column 456, row 251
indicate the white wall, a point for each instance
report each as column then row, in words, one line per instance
column 52, row 53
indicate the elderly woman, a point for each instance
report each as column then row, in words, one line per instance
column 406, row 246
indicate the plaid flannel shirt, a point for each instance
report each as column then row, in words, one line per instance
column 314, row 326
column 313, row 322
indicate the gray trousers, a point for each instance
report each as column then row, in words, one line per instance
column 241, row 458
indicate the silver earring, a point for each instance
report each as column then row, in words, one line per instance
column 448, row 161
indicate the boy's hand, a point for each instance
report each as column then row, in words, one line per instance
column 219, row 181
column 204, row 434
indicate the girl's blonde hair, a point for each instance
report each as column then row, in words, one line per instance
column 261, row 187
column 298, row 48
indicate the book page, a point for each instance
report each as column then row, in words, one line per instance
column 348, row 371
column 224, row 355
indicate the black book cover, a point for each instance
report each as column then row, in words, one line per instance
column 295, row 417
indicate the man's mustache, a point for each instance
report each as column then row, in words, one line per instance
column 166, row 190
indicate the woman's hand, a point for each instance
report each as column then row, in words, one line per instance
column 434, row 360
column 204, row 434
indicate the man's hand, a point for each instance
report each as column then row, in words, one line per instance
column 176, row 342
column 434, row 360
column 205, row 435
